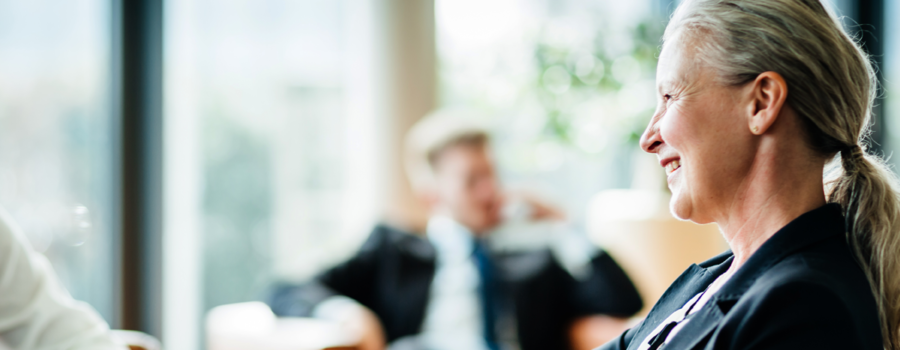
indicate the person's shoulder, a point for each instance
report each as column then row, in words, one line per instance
column 828, row 265
column 796, row 275
column 387, row 237
column 815, row 285
column 383, row 233
column 802, row 306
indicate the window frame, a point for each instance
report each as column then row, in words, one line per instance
column 137, row 73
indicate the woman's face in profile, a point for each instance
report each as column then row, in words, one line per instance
column 700, row 135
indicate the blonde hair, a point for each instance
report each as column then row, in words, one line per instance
column 832, row 88
column 435, row 133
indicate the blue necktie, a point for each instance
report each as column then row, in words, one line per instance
column 487, row 290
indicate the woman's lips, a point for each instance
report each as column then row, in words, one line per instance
column 672, row 166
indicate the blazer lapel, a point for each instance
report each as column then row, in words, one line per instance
column 691, row 282
column 698, row 328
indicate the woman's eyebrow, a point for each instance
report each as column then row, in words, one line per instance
column 665, row 85
column 669, row 85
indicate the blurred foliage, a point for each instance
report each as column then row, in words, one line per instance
column 571, row 75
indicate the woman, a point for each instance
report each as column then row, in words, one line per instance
column 756, row 98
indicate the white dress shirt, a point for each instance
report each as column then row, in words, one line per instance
column 36, row 312
column 453, row 317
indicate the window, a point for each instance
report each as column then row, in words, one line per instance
column 260, row 114
column 57, row 163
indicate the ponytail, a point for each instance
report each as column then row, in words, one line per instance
column 867, row 192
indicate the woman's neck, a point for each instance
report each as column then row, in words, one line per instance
column 781, row 186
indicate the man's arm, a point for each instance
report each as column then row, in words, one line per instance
column 340, row 294
column 353, row 278
column 606, row 290
column 36, row 312
column 604, row 301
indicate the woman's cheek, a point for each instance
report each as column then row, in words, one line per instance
column 673, row 129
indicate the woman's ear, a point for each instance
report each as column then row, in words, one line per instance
column 768, row 93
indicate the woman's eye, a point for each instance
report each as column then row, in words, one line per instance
column 667, row 97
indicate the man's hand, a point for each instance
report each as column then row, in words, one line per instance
column 372, row 334
column 592, row 331
column 537, row 209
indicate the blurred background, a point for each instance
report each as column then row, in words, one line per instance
column 173, row 156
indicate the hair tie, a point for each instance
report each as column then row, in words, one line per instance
column 850, row 157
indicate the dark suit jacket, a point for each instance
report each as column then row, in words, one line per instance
column 392, row 274
column 801, row 290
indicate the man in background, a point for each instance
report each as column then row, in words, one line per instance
column 456, row 287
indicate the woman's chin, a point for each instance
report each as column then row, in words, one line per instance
column 680, row 207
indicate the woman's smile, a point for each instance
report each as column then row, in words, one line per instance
column 670, row 162
column 673, row 166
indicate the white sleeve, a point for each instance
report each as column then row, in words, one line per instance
column 36, row 312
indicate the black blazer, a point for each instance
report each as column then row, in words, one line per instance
column 392, row 274
column 801, row 290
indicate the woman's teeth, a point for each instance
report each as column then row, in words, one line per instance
column 672, row 166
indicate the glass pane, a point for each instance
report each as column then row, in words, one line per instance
column 891, row 71
column 56, row 138
column 266, row 81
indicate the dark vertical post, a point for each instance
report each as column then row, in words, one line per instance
column 870, row 16
column 138, row 67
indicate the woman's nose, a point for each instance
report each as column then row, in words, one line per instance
column 650, row 139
